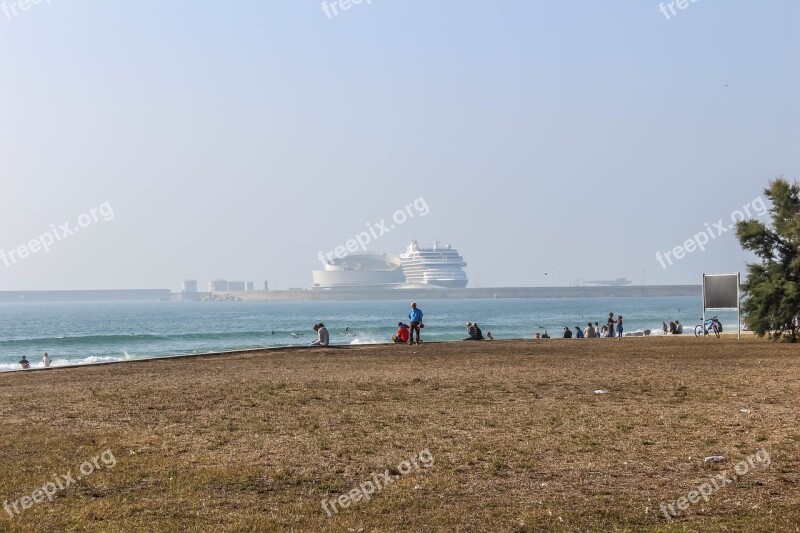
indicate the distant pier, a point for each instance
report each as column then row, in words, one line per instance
column 355, row 294
column 465, row 294
column 85, row 296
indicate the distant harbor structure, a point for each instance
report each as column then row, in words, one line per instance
column 236, row 286
column 619, row 282
column 223, row 285
column 189, row 286
column 437, row 266
column 218, row 285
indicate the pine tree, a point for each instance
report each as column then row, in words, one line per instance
column 772, row 290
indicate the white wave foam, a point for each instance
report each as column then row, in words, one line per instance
column 368, row 340
column 92, row 359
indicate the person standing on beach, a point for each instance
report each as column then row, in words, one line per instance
column 46, row 360
column 610, row 325
column 415, row 316
column 619, row 327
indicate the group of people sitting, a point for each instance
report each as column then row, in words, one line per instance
column 594, row 331
column 473, row 331
column 475, row 334
column 589, row 332
column 675, row 328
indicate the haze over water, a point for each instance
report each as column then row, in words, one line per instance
column 239, row 140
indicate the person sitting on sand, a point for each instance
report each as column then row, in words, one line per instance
column 24, row 363
column 402, row 333
column 567, row 333
column 545, row 335
column 678, row 327
column 475, row 333
column 578, row 333
column 672, row 328
column 46, row 360
column 538, row 335
column 323, row 338
column 589, row 332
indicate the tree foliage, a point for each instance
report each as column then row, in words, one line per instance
column 772, row 289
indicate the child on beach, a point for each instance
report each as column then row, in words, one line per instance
column 619, row 326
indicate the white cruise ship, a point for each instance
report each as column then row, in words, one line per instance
column 438, row 265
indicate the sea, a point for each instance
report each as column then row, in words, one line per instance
column 75, row 333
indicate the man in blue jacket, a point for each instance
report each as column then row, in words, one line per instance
column 415, row 316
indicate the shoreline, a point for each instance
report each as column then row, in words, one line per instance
column 261, row 351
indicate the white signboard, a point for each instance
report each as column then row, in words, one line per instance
column 721, row 292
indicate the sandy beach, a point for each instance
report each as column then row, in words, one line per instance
column 549, row 435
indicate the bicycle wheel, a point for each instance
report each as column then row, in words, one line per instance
column 698, row 331
column 716, row 330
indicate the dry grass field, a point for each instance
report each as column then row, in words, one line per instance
column 515, row 439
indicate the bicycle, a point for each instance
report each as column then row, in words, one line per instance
column 712, row 325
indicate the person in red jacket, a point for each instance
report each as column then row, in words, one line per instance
column 402, row 333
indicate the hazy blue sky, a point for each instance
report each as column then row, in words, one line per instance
column 239, row 139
